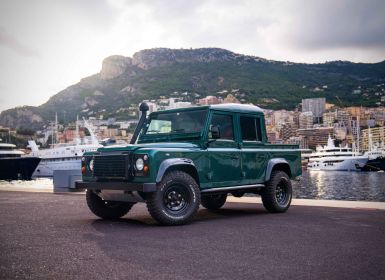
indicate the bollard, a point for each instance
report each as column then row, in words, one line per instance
column 64, row 180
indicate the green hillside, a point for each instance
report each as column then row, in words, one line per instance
column 124, row 82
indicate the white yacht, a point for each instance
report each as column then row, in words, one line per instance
column 64, row 156
column 13, row 166
column 330, row 157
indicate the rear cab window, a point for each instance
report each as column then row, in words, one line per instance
column 250, row 127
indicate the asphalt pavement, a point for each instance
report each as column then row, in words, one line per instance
column 55, row 236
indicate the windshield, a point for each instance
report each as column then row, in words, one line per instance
column 185, row 122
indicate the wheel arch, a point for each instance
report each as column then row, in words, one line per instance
column 277, row 164
column 182, row 164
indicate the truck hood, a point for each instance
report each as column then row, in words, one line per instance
column 132, row 147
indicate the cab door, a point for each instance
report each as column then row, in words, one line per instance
column 224, row 152
column 254, row 155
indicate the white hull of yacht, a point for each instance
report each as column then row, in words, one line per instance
column 339, row 164
column 47, row 166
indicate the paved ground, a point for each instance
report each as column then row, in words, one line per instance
column 51, row 236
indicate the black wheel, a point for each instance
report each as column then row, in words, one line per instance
column 108, row 210
column 176, row 201
column 213, row 202
column 277, row 194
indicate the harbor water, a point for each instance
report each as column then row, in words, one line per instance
column 341, row 185
column 329, row 185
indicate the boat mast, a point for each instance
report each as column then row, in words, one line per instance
column 370, row 141
column 358, row 135
column 56, row 129
column 52, row 134
column 77, row 136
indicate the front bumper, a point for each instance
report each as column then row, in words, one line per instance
column 141, row 187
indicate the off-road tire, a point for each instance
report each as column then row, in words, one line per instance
column 176, row 201
column 213, row 202
column 277, row 194
column 108, row 210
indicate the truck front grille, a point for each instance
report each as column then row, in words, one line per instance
column 111, row 166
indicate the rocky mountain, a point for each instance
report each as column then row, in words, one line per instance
column 149, row 74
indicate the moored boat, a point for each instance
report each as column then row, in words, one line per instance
column 63, row 156
column 330, row 157
column 13, row 166
column 376, row 154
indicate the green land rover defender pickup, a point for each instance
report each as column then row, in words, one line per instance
column 181, row 158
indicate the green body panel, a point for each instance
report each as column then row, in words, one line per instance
column 218, row 163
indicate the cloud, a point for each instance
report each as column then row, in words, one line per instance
column 99, row 13
column 227, row 24
column 330, row 24
column 9, row 41
column 73, row 37
column 298, row 30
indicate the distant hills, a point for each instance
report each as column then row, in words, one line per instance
column 149, row 74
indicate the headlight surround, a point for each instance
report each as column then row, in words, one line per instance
column 139, row 164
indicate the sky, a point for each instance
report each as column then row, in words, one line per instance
column 48, row 45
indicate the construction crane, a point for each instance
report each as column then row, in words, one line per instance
column 339, row 100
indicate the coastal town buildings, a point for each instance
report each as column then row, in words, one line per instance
column 209, row 100
column 306, row 120
column 307, row 127
column 315, row 136
column 377, row 137
column 329, row 118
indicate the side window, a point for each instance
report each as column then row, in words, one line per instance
column 250, row 129
column 225, row 125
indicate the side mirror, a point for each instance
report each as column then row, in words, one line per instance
column 215, row 133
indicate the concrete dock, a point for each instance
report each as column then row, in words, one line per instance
column 55, row 236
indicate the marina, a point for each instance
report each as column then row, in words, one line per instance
column 325, row 185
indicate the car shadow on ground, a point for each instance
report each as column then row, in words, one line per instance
column 120, row 238
column 229, row 211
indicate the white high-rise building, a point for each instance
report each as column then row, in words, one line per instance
column 316, row 106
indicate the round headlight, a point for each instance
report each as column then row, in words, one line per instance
column 91, row 165
column 139, row 164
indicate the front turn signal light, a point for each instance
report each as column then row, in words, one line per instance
column 84, row 169
column 145, row 168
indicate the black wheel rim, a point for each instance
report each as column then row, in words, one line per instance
column 112, row 204
column 177, row 199
column 282, row 192
column 216, row 197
